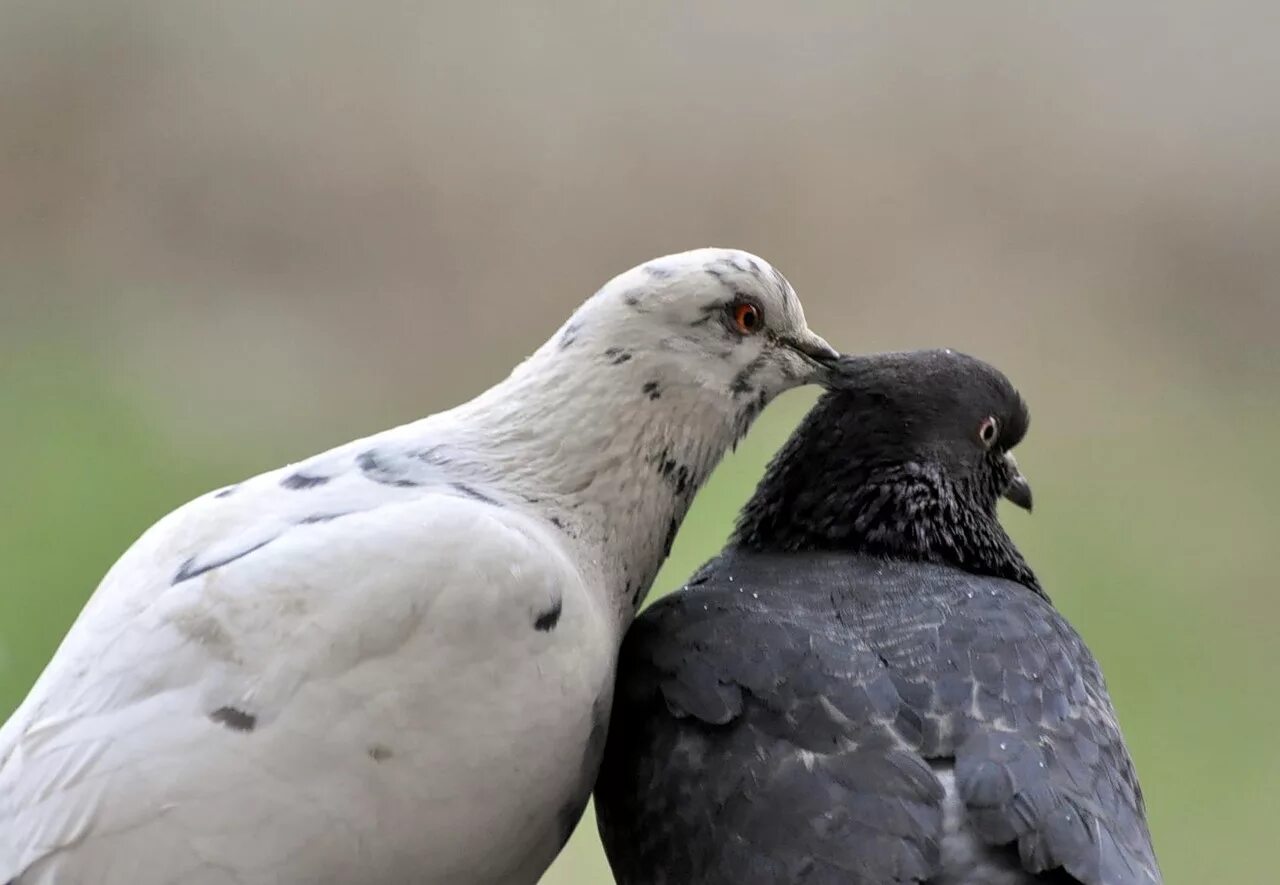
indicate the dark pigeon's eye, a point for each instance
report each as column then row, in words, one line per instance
column 988, row 430
column 746, row 317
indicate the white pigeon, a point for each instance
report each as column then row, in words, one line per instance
column 393, row 662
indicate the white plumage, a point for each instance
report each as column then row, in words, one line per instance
column 393, row 662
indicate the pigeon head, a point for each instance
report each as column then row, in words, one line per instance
column 907, row 456
column 614, row 423
column 721, row 320
column 940, row 408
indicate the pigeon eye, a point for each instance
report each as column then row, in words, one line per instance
column 746, row 317
column 988, row 430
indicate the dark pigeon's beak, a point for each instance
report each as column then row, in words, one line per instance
column 817, row 350
column 1019, row 491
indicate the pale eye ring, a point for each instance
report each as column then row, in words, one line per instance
column 988, row 431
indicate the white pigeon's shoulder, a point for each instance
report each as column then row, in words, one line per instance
column 198, row 657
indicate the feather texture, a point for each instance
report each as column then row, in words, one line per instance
column 869, row 685
column 838, row 718
column 394, row 662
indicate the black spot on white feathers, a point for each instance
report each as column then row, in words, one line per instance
column 227, row 492
column 652, row 389
column 546, row 622
column 682, row 479
column 193, row 568
column 377, row 470
column 236, row 720
column 298, row 481
column 474, row 493
column 751, row 411
column 617, row 356
column 317, row 518
column 658, row 272
column 570, row 334
column 680, row 475
column 742, row 382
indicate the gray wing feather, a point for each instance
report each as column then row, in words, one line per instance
column 795, row 736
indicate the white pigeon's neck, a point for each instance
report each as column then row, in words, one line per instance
column 609, row 443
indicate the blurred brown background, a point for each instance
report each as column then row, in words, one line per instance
column 233, row 234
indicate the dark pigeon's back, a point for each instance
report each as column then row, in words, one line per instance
column 836, row 718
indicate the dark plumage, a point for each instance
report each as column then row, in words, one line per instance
column 868, row 685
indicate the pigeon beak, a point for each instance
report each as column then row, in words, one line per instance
column 816, row 350
column 1019, row 490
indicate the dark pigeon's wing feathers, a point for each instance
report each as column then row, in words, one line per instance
column 801, row 718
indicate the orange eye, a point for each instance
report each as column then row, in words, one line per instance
column 747, row 318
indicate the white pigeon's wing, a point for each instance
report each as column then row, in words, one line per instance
column 293, row 696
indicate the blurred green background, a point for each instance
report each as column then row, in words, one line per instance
column 233, row 235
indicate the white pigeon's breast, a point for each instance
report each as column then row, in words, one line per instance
column 356, row 670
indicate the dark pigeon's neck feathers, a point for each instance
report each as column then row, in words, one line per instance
column 821, row 494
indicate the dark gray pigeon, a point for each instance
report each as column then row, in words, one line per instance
column 869, row 685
